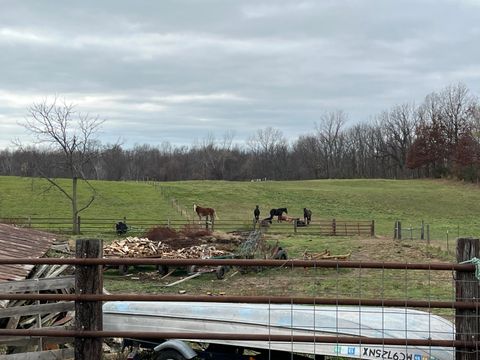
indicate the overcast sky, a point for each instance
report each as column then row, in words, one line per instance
column 182, row 70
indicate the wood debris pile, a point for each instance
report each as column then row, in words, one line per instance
column 29, row 314
column 141, row 247
column 324, row 255
column 132, row 247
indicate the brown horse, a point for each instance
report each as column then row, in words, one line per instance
column 204, row 212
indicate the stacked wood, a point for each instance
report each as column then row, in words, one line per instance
column 194, row 252
column 132, row 247
column 324, row 255
column 142, row 247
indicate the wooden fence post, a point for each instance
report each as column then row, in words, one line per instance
column 372, row 229
column 334, row 227
column 88, row 314
column 422, row 231
column 295, row 226
column 467, row 287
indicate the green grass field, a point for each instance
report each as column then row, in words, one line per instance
column 445, row 205
column 448, row 207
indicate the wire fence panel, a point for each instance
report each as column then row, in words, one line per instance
column 354, row 309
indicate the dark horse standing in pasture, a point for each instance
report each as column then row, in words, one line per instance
column 256, row 213
column 208, row 213
column 278, row 212
column 307, row 215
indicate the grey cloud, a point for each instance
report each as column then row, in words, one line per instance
column 177, row 70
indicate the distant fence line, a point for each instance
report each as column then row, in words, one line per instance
column 326, row 227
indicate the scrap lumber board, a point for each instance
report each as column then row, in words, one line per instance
column 184, row 279
column 61, row 354
column 61, row 282
column 37, row 309
column 33, row 340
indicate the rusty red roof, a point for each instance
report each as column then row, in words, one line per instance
column 18, row 242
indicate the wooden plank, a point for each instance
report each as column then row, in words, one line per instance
column 63, row 282
column 33, row 340
column 60, row 354
column 37, row 309
column 184, row 279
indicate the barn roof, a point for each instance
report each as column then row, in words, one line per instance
column 21, row 243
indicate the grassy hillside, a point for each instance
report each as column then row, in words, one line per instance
column 446, row 206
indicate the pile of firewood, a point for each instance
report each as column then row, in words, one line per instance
column 131, row 247
column 203, row 251
column 138, row 247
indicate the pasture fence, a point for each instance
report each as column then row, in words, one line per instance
column 88, row 334
column 419, row 232
column 325, row 227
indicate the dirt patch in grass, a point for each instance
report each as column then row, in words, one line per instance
column 389, row 250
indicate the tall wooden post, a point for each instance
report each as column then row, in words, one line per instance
column 88, row 314
column 372, row 229
column 467, row 286
column 334, row 227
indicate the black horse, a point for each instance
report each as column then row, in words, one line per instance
column 278, row 212
column 256, row 213
column 307, row 215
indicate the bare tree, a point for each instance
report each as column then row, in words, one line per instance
column 330, row 138
column 268, row 147
column 57, row 125
column 397, row 127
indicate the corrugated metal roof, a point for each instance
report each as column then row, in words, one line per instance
column 21, row 243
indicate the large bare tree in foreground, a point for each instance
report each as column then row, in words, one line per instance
column 57, row 125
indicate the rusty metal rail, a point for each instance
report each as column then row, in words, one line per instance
column 335, row 264
column 222, row 336
column 247, row 299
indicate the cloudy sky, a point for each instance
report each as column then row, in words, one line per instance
column 184, row 70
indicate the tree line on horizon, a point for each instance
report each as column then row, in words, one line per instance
column 440, row 137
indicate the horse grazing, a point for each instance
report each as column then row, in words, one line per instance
column 204, row 212
column 307, row 215
column 278, row 212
